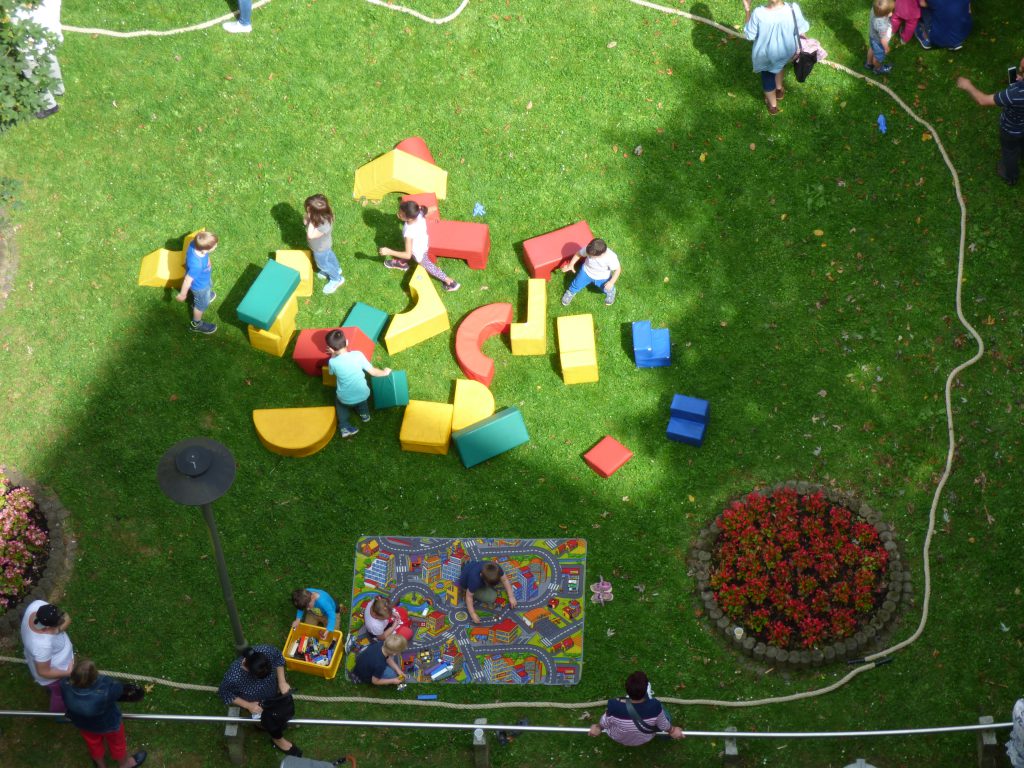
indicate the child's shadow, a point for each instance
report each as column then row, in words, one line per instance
column 289, row 221
column 384, row 227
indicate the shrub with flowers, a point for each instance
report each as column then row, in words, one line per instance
column 796, row 571
column 23, row 542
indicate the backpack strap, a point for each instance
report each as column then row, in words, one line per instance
column 640, row 724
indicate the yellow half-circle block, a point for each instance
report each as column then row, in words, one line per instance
column 473, row 402
column 295, row 432
column 530, row 338
column 301, row 262
column 398, row 171
column 427, row 318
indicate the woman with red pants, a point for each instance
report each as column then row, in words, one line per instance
column 91, row 701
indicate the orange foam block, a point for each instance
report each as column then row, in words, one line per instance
column 608, row 456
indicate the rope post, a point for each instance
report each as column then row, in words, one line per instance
column 234, row 738
column 731, row 755
column 481, row 747
column 989, row 754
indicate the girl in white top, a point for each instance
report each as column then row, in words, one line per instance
column 600, row 267
column 414, row 229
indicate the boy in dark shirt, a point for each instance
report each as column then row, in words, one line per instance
column 380, row 663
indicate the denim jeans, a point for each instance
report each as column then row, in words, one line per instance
column 245, row 12
column 201, row 298
column 1011, row 149
column 389, row 673
column 342, row 409
column 327, row 263
column 582, row 280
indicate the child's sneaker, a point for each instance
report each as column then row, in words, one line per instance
column 884, row 69
column 922, row 39
column 609, row 297
column 452, row 286
column 566, row 298
column 333, row 285
column 321, row 276
column 200, row 327
column 236, row 27
column 349, row 431
column 396, row 264
column 365, row 418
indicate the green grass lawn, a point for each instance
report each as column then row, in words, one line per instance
column 823, row 355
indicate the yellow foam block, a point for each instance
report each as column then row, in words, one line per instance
column 426, row 427
column 530, row 338
column 275, row 340
column 162, row 269
column 473, row 402
column 398, row 171
column 295, row 431
column 427, row 318
column 301, row 262
column 577, row 350
column 328, row 378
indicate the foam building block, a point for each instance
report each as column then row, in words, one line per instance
column 357, row 342
column 369, row 320
column 607, row 456
column 301, row 262
column 491, row 437
column 692, row 408
column 577, row 351
column 311, row 353
column 688, row 420
column 426, row 427
column 466, row 240
column 475, row 328
column 651, row 346
column 275, row 339
column 473, row 402
column 271, row 290
column 398, row 171
column 295, row 432
column 530, row 338
column 427, row 317
column 162, row 269
column 416, row 147
column 686, row 431
column 545, row 253
column 428, row 200
column 390, row 391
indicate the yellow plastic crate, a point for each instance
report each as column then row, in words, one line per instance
column 327, row 671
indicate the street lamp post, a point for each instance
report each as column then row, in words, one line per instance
column 196, row 472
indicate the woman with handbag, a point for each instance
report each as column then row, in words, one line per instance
column 774, row 28
column 91, row 700
column 255, row 682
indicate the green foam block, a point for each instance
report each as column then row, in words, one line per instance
column 369, row 320
column 391, row 390
column 268, row 294
column 493, row 436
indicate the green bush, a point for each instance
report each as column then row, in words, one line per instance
column 25, row 46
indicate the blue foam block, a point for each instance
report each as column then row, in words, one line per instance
column 660, row 353
column 492, row 436
column 692, row 408
column 642, row 341
column 686, row 431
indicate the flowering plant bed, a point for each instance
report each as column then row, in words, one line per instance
column 24, row 542
column 794, row 574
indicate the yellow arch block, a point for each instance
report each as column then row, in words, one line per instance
column 398, row 171
column 530, row 338
column 426, row 427
column 577, row 350
column 301, row 262
column 427, row 318
column 473, row 402
column 163, row 268
column 295, row 432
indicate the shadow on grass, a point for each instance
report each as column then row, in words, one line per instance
column 289, row 221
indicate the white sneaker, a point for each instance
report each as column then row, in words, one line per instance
column 333, row 285
column 236, row 27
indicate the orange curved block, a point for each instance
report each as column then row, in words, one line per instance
column 416, row 147
column 475, row 328
column 427, row 317
column 295, row 432
column 473, row 403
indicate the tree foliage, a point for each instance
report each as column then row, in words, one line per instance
column 24, row 76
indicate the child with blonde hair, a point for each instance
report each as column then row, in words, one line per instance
column 879, row 35
column 198, row 279
column 382, row 620
column 380, row 662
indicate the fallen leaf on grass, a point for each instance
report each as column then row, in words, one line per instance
column 703, row 156
column 611, row 632
column 612, row 44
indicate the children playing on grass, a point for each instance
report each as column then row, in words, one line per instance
column 414, row 229
column 380, row 662
column 878, row 37
column 319, row 221
column 382, row 620
column 600, row 267
column 347, row 367
column 906, row 13
column 478, row 580
column 198, row 279
column 316, row 607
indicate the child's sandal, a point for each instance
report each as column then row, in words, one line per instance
column 780, row 94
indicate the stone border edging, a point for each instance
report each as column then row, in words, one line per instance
column 898, row 595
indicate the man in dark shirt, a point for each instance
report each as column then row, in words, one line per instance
column 647, row 718
column 1011, row 121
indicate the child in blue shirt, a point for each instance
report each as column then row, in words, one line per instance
column 348, row 367
column 314, row 606
column 198, row 279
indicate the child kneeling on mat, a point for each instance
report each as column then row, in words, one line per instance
column 478, row 580
column 382, row 620
column 380, row 662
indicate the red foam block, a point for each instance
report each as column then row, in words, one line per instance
column 475, row 328
column 466, row 240
column 416, row 147
column 545, row 253
column 608, row 456
column 311, row 353
column 428, row 200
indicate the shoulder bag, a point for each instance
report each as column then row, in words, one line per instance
column 803, row 61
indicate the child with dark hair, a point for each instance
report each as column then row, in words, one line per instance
column 198, row 279
column 638, row 718
column 255, row 682
column 314, row 606
column 319, row 222
column 600, row 267
column 414, row 229
column 347, row 367
column 479, row 579
column 91, row 701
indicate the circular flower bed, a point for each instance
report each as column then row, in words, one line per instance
column 796, row 575
column 24, row 541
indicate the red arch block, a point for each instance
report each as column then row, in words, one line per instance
column 545, row 253
column 427, row 200
column 311, row 354
column 416, row 147
column 475, row 328
column 466, row 240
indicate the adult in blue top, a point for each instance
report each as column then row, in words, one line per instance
column 773, row 27
column 91, row 701
column 314, row 605
column 348, row 368
column 1011, row 121
column 944, row 24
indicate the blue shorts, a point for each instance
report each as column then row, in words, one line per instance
column 878, row 50
column 767, row 81
column 201, row 299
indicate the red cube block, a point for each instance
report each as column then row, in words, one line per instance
column 466, row 240
column 607, row 456
column 545, row 253
column 311, row 354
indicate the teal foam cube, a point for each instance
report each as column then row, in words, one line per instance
column 493, row 436
column 390, row 391
column 268, row 294
column 369, row 320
